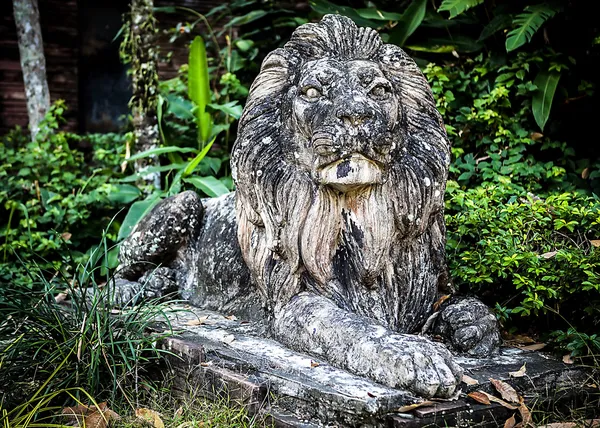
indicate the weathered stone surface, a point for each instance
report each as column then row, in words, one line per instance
column 224, row 356
column 335, row 236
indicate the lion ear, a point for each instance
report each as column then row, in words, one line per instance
column 273, row 77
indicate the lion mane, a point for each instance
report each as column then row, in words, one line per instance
column 378, row 252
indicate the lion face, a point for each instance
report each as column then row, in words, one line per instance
column 340, row 166
column 344, row 115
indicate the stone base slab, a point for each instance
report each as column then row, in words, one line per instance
column 216, row 355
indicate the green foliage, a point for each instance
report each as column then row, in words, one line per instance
column 456, row 7
column 546, row 83
column 88, row 343
column 532, row 255
column 199, row 88
column 487, row 112
column 54, row 199
column 527, row 24
column 579, row 344
column 408, row 22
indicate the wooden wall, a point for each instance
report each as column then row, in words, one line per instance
column 58, row 19
column 71, row 46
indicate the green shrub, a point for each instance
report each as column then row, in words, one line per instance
column 531, row 256
column 54, row 201
column 486, row 107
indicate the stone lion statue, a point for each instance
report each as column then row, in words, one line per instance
column 335, row 235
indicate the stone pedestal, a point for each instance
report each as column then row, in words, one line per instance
column 221, row 355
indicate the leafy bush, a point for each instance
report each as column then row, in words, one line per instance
column 487, row 112
column 534, row 256
column 54, row 201
column 522, row 226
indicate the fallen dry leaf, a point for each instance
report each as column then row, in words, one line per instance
column 595, row 242
column 178, row 412
column 479, row 396
column 520, row 372
column 507, row 392
column 440, row 301
column 568, row 359
column 206, row 363
column 499, row 401
column 61, row 297
column 519, row 339
column 314, row 363
column 561, row 425
column 469, row 380
column 150, row 416
column 549, row 254
column 534, row 347
column 199, row 321
column 90, row 416
column 510, row 422
column 525, row 413
column 411, row 407
column 231, row 317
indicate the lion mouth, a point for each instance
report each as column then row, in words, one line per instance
column 351, row 172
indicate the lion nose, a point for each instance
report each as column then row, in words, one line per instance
column 353, row 113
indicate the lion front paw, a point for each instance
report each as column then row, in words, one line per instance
column 470, row 327
column 420, row 365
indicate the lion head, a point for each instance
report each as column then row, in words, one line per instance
column 340, row 166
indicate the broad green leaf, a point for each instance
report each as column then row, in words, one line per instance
column 124, row 193
column 209, row 185
column 244, row 45
column 180, row 107
column 373, row 13
column 456, row 7
column 228, row 182
column 245, row 19
column 194, row 162
column 137, row 210
column 527, row 23
column 409, row 22
column 446, row 45
column 541, row 103
column 159, row 151
column 431, row 48
column 231, row 108
column 199, row 87
column 498, row 22
column 159, row 116
column 152, row 169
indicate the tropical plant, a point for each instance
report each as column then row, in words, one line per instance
column 474, row 25
column 54, row 200
column 68, row 324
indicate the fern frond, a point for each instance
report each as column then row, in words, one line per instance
column 528, row 23
column 456, row 7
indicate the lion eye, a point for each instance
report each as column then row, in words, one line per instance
column 311, row 93
column 379, row 91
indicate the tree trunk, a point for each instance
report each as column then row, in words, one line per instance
column 33, row 62
column 144, row 57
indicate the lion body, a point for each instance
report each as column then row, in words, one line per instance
column 378, row 249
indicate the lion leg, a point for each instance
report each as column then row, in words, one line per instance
column 468, row 326
column 146, row 257
column 353, row 342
